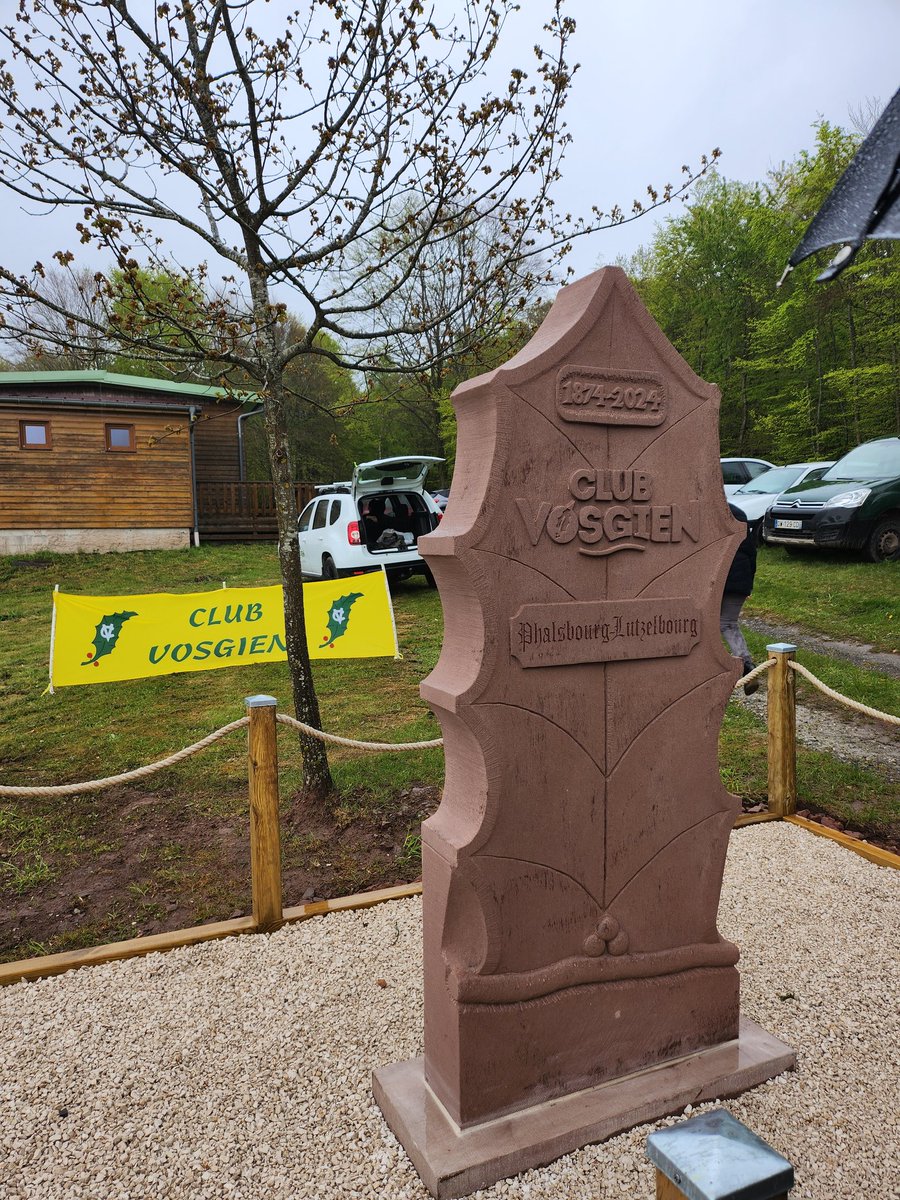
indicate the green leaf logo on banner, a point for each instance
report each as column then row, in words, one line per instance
column 106, row 636
column 339, row 616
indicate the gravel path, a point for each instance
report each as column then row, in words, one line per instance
column 857, row 653
column 241, row 1068
column 843, row 733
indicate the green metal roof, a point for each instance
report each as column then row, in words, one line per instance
column 111, row 380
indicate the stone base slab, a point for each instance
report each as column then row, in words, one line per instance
column 455, row 1162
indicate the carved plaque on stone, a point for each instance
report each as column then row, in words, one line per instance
column 573, row 870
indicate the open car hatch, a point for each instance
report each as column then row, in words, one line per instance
column 391, row 474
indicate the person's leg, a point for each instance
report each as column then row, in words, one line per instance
column 731, row 631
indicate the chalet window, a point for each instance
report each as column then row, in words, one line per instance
column 35, row 435
column 120, row 437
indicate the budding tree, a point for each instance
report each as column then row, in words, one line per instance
column 320, row 156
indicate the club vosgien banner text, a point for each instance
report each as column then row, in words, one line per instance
column 101, row 639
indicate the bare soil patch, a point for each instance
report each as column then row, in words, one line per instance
column 161, row 867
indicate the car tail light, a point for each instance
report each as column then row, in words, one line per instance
column 353, row 533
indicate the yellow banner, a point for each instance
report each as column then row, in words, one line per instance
column 100, row 639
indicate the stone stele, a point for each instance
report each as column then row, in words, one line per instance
column 575, row 981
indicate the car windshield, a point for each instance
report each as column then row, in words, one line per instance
column 775, row 480
column 877, row 460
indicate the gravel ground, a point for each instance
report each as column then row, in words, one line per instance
column 241, row 1068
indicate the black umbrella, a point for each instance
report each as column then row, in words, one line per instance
column 865, row 201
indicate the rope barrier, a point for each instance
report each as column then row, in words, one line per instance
column 761, row 669
column 841, row 699
column 94, row 785
column 284, row 719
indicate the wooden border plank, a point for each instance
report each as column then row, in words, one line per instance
column 754, row 819
column 71, row 960
column 316, row 908
column 881, row 858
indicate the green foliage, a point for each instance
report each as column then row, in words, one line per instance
column 159, row 309
column 319, row 400
column 806, row 372
column 421, row 401
column 394, row 417
column 411, row 851
column 448, row 428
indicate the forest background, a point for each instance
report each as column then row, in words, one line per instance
column 806, row 371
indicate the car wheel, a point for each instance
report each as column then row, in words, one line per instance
column 884, row 544
column 329, row 570
column 429, row 578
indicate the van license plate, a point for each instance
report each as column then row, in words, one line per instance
column 780, row 524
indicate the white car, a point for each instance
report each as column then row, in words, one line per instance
column 375, row 518
column 755, row 498
column 738, row 471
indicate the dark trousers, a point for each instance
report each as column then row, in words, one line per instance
column 731, row 631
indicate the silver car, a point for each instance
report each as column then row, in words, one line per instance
column 757, row 497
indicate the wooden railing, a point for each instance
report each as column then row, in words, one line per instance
column 242, row 511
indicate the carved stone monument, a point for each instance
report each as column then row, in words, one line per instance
column 573, row 870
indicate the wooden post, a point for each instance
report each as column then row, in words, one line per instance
column 265, row 832
column 667, row 1190
column 782, row 721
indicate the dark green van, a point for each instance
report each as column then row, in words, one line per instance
column 854, row 506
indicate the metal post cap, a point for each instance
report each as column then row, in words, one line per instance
column 715, row 1157
column 782, row 647
column 261, row 702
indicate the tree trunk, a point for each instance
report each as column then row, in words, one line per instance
column 851, row 328
column 820, row 387
column 743, row 429
column 317, row 781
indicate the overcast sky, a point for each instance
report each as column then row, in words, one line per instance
column 664, row 81
column 660, row 83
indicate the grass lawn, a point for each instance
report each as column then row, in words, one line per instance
column 862, row 798
column 181, row 837
column 174, row 851
column 835, row 594
column 86, row 732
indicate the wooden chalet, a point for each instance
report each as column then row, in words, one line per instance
column 91, row 460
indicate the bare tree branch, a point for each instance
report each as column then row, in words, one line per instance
column 350, row 152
